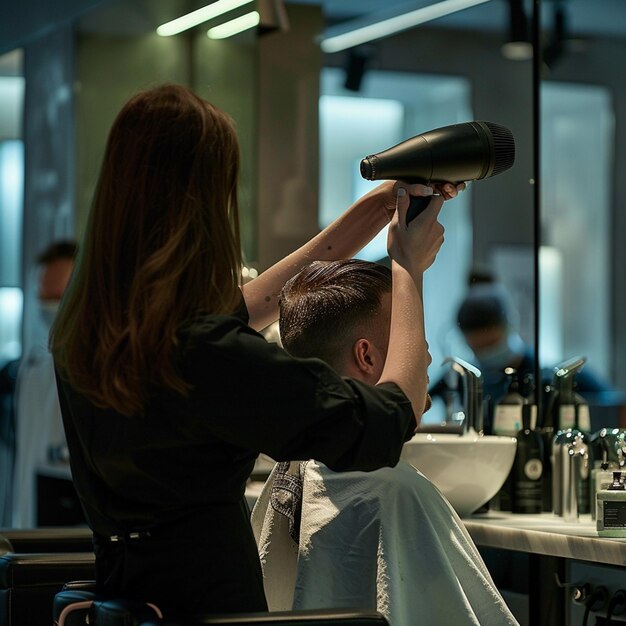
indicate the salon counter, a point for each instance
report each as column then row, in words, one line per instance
column 559, row 556
column 546, row 534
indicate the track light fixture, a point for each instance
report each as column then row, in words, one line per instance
column 358, row 60
column 555, row 48
column 518, row 46
column 388, row 22
column 269, row 16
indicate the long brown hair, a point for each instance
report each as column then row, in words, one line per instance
column 161, row 245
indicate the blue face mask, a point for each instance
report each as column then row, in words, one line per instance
column 501, row 355
column 48, row 310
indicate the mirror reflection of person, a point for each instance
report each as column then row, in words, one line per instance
column 487, row 319
column 168, row 394
column 39, row 428
column 388, row 539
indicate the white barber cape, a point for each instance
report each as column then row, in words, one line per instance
column 385, row 540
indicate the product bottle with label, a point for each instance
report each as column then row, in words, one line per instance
column 611, row 508
column 527, row 472
column 566, row 404
column 527, row 389
column 567, row 409
column 601, row 478
column 507, row 414
column 548, row 430
column 559, row 414
column 571, row 409
column 604, row 450
column 507, row 421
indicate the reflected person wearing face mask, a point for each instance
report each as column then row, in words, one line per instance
column 488, row 321
column 39, row 437
column 47, row 311
column 509, row 348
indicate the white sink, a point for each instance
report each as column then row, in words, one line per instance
column 468, row 469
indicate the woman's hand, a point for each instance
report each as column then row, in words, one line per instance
column 415, row 246
column 388, row 192
column 449, row 190
column 426, row 244
column 340, row 240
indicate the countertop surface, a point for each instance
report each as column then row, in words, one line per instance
column 546, row 534
column 543, row 533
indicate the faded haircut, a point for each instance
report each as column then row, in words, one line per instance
column 325, row 305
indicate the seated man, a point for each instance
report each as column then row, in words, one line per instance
column 387, row 539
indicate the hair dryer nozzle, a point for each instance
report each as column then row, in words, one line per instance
column 457, row 153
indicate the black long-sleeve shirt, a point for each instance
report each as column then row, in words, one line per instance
column 179, row 470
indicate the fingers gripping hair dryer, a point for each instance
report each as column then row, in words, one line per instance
column 457, row 153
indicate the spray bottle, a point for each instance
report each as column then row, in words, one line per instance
column 570, row 448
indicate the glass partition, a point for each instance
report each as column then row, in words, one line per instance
column 453, row 69
column 582, row 134
column 460, row 67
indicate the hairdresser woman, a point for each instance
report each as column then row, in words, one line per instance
column 167, row 392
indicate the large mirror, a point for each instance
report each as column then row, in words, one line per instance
column 305, row 118
column 582, row 258
column 471, row 64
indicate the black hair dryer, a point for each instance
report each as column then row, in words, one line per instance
column 457, row 153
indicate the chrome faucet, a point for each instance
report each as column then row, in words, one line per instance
column 472, row 393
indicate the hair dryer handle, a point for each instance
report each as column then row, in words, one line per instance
column 417, row 204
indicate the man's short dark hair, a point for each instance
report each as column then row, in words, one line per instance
column 485, row 306
column 64, row 249
column 322, row 306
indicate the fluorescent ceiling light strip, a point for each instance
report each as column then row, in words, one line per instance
column 198, row 17
column 386, row 27
column 238, row 25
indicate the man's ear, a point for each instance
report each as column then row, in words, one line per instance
column 364, row 356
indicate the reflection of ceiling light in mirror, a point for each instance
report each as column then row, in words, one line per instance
column 517, row 50
column 518, row 46
column 198, row 17
column 356, row 32
column 238, row 25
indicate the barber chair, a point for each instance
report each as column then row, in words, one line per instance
column 76, row 607
column 5, row 545
column 29, row 583
column 34, row 565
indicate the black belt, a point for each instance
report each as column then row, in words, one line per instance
column 131, row 536
column 187, row 526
